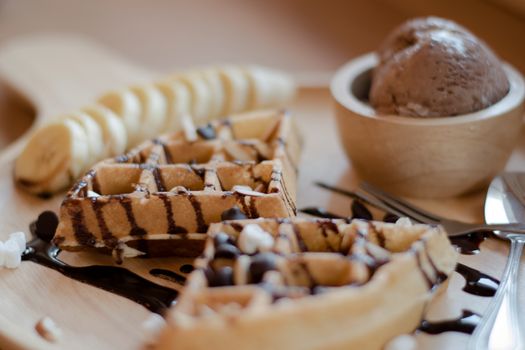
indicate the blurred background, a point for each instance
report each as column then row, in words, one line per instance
column 298, row 36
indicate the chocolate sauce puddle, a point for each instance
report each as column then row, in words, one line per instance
column 466, row 323
column 320, row 213
column 477, row 283
column 469, row 244
column 187, row 268
column 168, row 275
column 113, row 279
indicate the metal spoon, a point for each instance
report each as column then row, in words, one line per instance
column 500, row 325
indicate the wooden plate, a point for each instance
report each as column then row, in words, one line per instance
column 61, row 74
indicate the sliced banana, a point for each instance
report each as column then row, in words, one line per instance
column 213, row 79
column 190, row 132
column 201, row 95
column 113, row 130
column 268, row 87
column 236, row 87
column 178, row 101
column 126, row 105
column 59, row 152
column 55, row 156
column 93, row 131
column 154, row 110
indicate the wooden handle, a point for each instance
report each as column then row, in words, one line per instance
column 60, row 74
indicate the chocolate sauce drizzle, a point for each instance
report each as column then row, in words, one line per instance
column 300, row 241
column 186, row 268
column 82, row 235
column 109, row 240
column 172, row 227
column 469, row 244
column 168, row 275
column 466, row 323
column 199, row 218
column 320, row 213
column 360, row 211
column 167, row 154
column 241, row 200
column 159, row 181
column 380, row 235
column 477, row 283
column 135, row 229
column 113, row 279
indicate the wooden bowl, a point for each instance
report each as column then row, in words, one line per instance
column 427, row 158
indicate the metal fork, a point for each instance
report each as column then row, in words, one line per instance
column 391, row 204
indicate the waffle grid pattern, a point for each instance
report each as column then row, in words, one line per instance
column 172, row 188
column 315, row 283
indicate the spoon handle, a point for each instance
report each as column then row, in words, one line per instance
column 500, row 327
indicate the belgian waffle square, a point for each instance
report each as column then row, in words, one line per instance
column 308, row 284
column 160, row 198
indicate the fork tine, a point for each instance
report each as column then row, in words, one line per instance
column 401, row 205
column 378, row 204
column 362, row 196
column 342, row 191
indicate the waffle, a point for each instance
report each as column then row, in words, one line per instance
column 159, row 199
column 315, row 284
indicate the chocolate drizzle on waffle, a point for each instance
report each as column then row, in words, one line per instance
column 109, row 239
column 82, row 235
column 172, row 189
column 362, row 248
column 173, row 229
column 258, row 267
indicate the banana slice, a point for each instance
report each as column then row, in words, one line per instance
column 127, row 106
column 178, row 102
column 201, row 95
column 190, row 132
column 268, row 87
column 94, row 136
column 154, row 110
column 213, row 79
column 113, row 130
column 236, row 89
column 55, row 155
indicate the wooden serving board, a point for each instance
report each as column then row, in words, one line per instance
column 61, row 74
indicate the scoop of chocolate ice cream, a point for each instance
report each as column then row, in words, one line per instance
column 432, row 67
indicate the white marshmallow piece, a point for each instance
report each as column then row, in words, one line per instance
column 402, row 342
column 12, row 255
column 20, row 239
column 253, row 238
column 2, row 253
column 48, row 329
column 246, row 191
column 404, row 222
column 92, row 194
column 128, row 252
